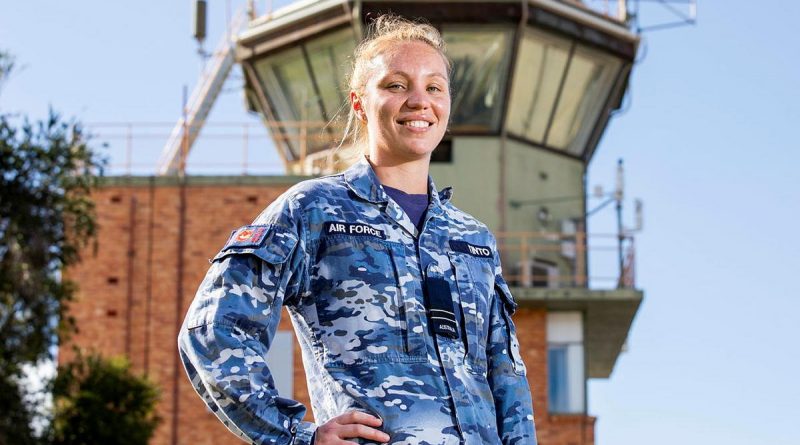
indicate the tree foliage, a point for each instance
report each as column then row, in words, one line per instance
column 47, row 170
column 46, row 215
column 99, row 401
column 6, row 66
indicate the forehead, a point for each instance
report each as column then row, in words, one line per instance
column 413, row 58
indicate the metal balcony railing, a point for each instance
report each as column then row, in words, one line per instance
column 615, row 9
column 530, row 259
column 558, row 260
column 245, row 147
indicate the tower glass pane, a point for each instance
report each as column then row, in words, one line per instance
column 541, row 62
column 480, row 57
column 557, row 381
column 586, row 88
column 329, row 57
column 291, row 92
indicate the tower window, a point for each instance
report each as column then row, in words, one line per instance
column 566, row 382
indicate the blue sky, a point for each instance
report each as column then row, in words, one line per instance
column 709, row 143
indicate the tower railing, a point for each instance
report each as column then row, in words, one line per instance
column 248, row 147
column 560, row 260
column 615, row 9
column 530, row 259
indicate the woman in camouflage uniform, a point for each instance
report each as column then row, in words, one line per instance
column 396, row 296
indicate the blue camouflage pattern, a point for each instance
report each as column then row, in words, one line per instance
column 349, row 265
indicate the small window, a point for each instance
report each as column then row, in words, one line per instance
column 443, row 152
column 540, row 275
column 537, row 272
column 566, row 381
column 557, row 381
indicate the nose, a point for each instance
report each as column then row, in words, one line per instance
column 418, row 99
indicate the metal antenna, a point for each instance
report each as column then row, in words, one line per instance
column 200, row 19
column 684, row 12
column 619, row 194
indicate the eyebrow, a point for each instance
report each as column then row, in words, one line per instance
column 403, row 73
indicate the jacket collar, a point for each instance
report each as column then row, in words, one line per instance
column 363, row 181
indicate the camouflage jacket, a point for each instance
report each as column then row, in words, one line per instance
column 351, row 268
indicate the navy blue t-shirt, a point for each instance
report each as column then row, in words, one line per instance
column 415, row 206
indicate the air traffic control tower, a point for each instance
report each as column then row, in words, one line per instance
column 534, row 85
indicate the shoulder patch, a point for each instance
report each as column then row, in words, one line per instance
column 471, row 249
column 247, row 236
column 272, row 244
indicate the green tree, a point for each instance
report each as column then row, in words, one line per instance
column 47, row 171
column 99, row 401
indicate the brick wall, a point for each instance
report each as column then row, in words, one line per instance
column 130, row 300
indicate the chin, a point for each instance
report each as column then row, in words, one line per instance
column 419, row 152
column 409, row 150
column 422, row 147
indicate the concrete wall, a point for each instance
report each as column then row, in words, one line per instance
column 533, row 174
column 474, row 175
column 530, row 175
column 128, row 301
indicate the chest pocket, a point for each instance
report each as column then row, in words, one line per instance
column 475, row 280
column 361, row 314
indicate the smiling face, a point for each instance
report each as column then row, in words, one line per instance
column 405, row 103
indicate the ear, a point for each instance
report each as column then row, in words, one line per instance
column 358, row 106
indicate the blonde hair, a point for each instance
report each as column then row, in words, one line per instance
column 382, row 36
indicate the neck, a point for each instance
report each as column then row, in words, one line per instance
column 410, row 176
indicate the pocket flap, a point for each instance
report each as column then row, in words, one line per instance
column 272, row 244
column 505, row 294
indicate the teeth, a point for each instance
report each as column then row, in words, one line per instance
column 418, row 124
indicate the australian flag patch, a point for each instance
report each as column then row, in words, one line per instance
column 247, row 236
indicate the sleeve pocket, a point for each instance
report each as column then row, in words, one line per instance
column 505, row 294
column 509, row 307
